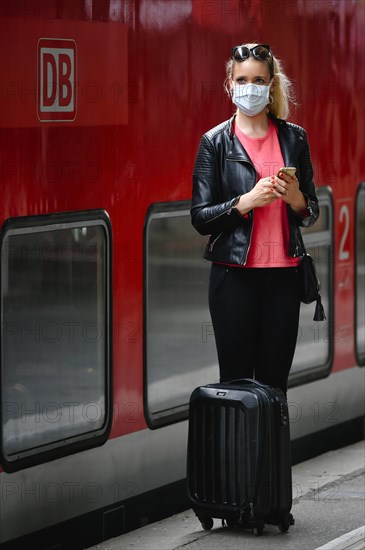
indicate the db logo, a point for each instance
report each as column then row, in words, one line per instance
column 56, row 80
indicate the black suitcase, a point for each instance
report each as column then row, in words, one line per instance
column 239, row 463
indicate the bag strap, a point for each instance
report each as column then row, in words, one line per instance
column 302, row 242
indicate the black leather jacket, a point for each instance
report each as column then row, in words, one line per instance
column 223, row 172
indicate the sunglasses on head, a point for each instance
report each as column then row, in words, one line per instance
column 260, row 52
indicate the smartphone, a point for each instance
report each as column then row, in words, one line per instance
column 288, row 170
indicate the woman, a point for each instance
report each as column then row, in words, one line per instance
column 252, row 211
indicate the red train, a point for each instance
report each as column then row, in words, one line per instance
column 105, row 329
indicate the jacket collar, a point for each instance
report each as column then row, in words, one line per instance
column 286, row 141
column 235, row 150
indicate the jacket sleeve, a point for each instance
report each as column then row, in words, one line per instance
column 208, row 214
column 306, row 185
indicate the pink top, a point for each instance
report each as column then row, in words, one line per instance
column 270, row 232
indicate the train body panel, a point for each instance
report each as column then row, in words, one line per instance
column 105, row 326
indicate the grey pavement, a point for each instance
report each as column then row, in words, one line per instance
column 328, row 505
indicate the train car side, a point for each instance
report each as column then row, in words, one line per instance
column 104, row 319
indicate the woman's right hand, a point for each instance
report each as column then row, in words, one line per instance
column 261, row 195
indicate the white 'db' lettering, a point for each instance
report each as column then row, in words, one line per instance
column 56, row 80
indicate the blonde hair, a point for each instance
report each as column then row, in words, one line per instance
column 282, row 93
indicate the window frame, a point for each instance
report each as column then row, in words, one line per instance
column 360, row 357
column 179, row 413
column 325, row 197
column 76, row 443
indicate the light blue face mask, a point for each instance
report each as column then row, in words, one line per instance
column 251, row 99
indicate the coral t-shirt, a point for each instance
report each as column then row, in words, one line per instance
column 270, row 231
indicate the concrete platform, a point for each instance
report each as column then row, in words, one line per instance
column 328, row 507
column 355, row 540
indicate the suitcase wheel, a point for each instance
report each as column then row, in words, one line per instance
column 207, row 523
column 231, row 522
column 258, row 529
column 285, row 523
column 283, row 526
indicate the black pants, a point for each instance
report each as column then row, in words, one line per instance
column 255, row 315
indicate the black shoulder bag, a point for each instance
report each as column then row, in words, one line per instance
column 309, row 282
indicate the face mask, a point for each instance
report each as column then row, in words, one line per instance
column 251, row 99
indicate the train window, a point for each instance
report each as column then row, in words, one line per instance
column 360, row 275
column 313, row 356
column 180, row 351
column 55, row 358
column 179, row 343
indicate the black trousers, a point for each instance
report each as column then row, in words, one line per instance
column 255, row 316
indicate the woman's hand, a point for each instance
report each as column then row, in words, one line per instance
column 287, row 188
column 271, row 188
column 260, row 195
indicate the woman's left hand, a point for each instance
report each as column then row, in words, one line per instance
column 287, row 188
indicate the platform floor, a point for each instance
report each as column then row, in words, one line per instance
column 328, row 507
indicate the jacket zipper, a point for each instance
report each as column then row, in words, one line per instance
column 211, row 245
column 249, row 244
column 295, row 230
column 240, row 159
column 228, row 212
